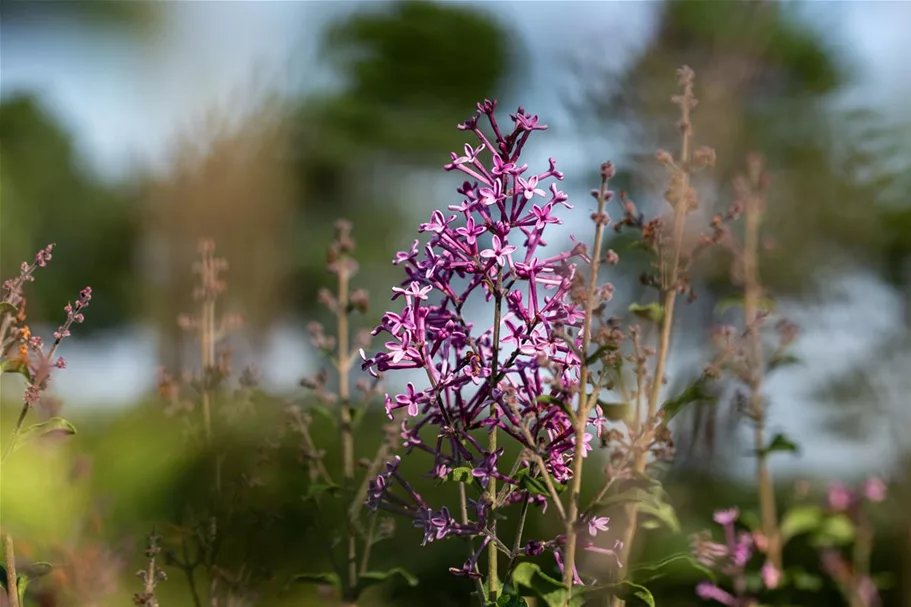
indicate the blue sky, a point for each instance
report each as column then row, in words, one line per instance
column 124, row 100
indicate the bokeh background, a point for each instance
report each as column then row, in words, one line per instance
column 128, row 130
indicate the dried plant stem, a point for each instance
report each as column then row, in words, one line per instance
column 345, row 426
column 669, row 288
column 581, row 414
column 751, row 296
column 11, row 583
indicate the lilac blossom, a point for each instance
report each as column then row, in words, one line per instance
column 515, row 375
column 730, row 559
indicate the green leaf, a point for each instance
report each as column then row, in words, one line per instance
column 38, row 569
column 783, row 360
column 653, row 311
column 801, row 580
column 536, row 583
column 662, row 512
column 325, row 412
column 322, row 579
column 884, row 580
column 51, row 426
column 780, row 442
column 15, row 365
column 799, row 520
column 26, row 574
column 630, row 592
column 648, row 501
column 653, row 571
column 371, row 578
column 511, row 600
column 695, row 392
column 535, row 484
column 356, row 416
column 838, row 530
column 597, row 354
column 317, row 490
column 8, row 308
column 750, row 520
column 462, row 474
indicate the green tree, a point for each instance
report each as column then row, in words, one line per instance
column 49, row 196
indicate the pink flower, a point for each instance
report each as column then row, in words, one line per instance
column 771, row 576
column 839, row 496
column 875, row 489
column 500, row 251
column 598, row 523
column 726, row 517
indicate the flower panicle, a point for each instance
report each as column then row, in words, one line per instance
column 517, row 375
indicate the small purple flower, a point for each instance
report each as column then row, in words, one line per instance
column 502, row 167
column 726, row 517
column 530, row 188
column 527, row 122
column 404, row 256
column 414, row 290
column 542, row 216
column 471, row 154
column 500, row 251
column 743, row 549
column 598, row 523
column 410, row 399
column 492, row 195
column 470, row 231
column 438, row 223
column 399, row 350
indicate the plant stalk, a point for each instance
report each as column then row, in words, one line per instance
column 492, row 573
column 582, row 409
column 15, row 435
column 752, row 293
column 345, row 427
column 669, row 288
column 12, row 584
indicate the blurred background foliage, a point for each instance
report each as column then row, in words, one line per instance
column 268, row 173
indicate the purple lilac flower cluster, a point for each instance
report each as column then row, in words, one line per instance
column 516, row 376
column 730, row 559
column 853, row 577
